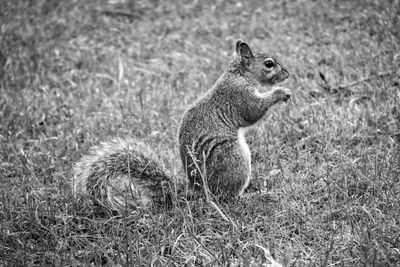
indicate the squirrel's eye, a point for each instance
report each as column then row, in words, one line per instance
column 269, row 63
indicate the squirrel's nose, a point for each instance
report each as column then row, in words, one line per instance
column 285, row 73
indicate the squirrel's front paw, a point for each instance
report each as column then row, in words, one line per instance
column 283, row 93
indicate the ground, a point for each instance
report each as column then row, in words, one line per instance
column 74, row 73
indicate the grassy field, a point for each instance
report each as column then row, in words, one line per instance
column 74, row 73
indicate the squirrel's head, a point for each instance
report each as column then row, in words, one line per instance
column 265, row 68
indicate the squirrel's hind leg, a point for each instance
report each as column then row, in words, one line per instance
column 231, row 171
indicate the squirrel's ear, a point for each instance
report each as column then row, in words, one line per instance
column 244, row 51
column 238, row 43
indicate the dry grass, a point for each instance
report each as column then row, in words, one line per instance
column 73, row 73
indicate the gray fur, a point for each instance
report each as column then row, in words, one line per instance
column 122, row 171
column 211, row 141
column 209, row 134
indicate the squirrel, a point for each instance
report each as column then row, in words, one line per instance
column 212, row 144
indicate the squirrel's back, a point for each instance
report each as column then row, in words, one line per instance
column 122, row 171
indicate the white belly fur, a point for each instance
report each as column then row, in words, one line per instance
column 246, row 153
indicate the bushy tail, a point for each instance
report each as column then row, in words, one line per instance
column 123, row 172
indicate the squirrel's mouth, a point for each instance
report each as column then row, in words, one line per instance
column 283, row 75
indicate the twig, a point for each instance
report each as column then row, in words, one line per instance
column 365, row 79
column 220, row 212
column 120, row 13
column 378, row 75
